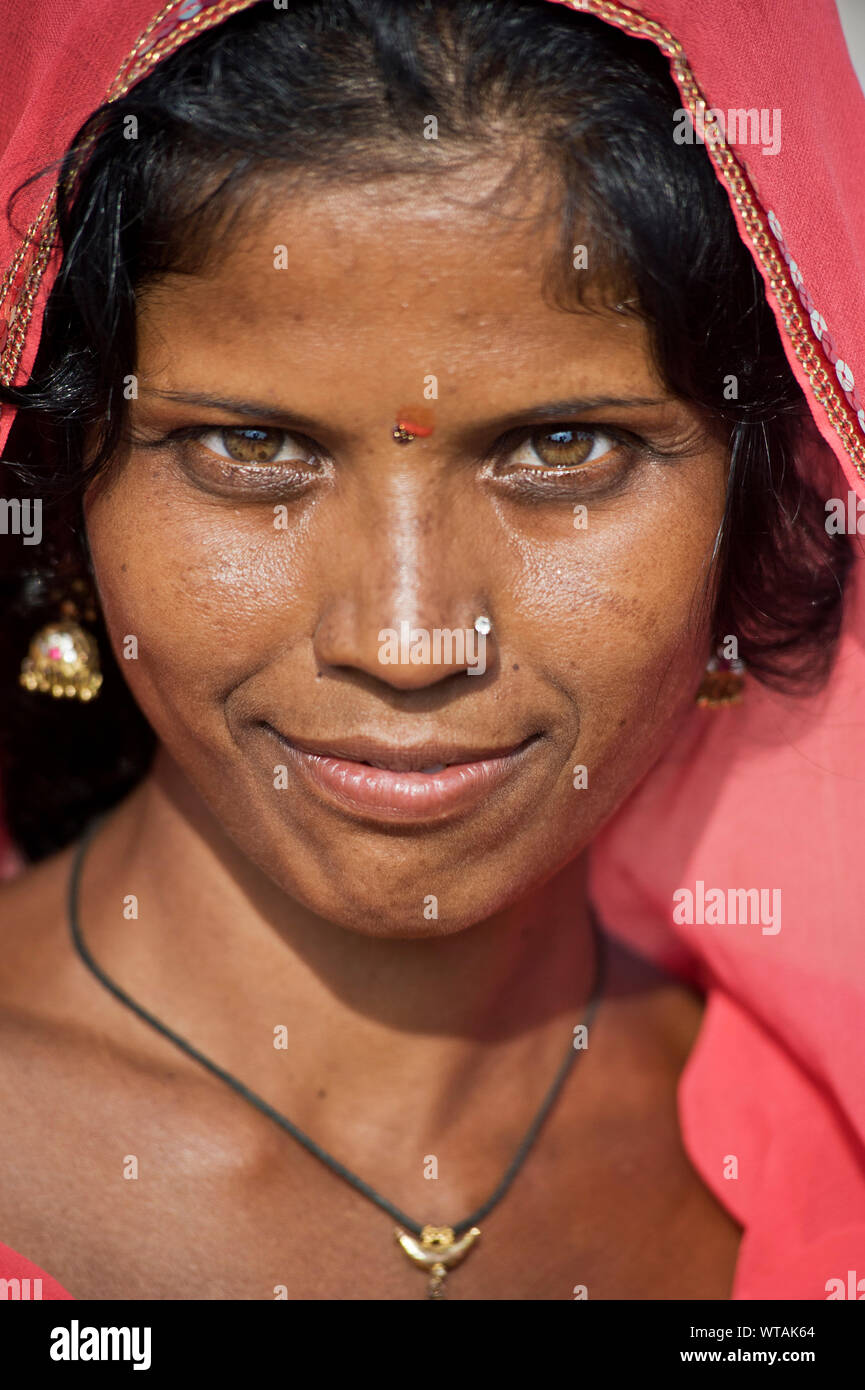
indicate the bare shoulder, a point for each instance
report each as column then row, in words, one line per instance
column 51, row 1010
column 35, row 960
column 50, row 1005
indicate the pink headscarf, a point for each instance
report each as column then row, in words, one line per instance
column 765, row 795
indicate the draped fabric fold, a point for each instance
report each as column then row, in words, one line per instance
column 767, row 796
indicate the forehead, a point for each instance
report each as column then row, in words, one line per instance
column 448, row 273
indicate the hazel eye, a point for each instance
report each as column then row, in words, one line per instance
column 563, row 448
column 255, row 444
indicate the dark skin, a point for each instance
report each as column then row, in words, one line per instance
column 408, row 1036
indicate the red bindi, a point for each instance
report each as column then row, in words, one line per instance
column 417, row 420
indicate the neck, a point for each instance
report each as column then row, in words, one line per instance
column 223, row 957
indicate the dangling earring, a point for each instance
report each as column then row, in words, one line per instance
column 63, row 659
column 723, row 682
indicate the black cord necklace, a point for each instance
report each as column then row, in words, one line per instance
column 435, row 1248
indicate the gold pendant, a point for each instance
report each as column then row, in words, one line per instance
column 437, row 1250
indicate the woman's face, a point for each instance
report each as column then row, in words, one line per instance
column 260, row 573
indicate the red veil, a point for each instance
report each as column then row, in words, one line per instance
column 763, row 796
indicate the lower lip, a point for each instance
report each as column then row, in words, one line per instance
column 405, row 796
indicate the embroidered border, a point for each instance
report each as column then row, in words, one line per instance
column 843, row 370
column 171, row 27
column 809, row 337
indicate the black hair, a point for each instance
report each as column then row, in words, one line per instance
column 346, row 89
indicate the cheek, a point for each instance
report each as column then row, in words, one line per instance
column 208, row 593
column 618, row 613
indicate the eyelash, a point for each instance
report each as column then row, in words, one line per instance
column 625, row 440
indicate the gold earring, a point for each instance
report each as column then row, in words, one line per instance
column 63, row 659
column 722, row 684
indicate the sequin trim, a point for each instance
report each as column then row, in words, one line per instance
column 171, row 27
column 808, row 335
column 831, row 375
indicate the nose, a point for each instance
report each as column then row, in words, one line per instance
column 410, row 607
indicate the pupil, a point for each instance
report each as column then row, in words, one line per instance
column 249, row 444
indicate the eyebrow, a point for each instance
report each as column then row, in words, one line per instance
column 549, row 410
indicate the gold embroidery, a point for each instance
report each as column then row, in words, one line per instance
column 39, row 239
column 799, row 330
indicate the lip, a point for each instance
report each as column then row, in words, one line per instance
column 398, row 791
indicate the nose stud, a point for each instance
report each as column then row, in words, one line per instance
column 402, row 434
column 483, row 626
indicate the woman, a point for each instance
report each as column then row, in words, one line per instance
column 390, row 345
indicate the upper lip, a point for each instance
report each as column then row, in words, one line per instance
column 404, row 757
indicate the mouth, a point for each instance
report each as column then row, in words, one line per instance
column 419, row 782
